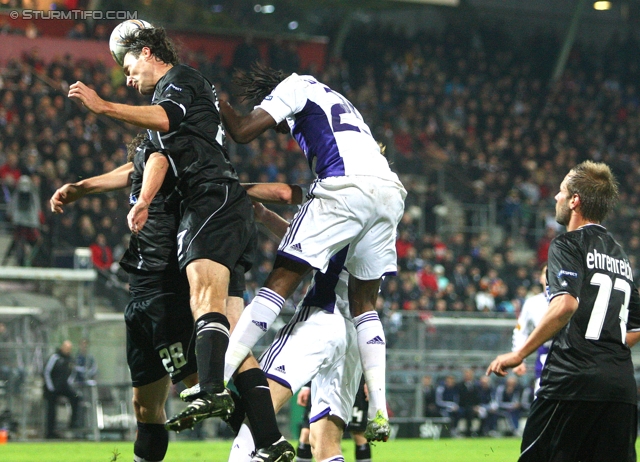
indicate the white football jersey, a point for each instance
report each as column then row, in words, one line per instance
column 533, row 309
column 328, row 128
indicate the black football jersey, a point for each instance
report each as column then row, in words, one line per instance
column 196, row 147
column 589, row 359
column 153, row 249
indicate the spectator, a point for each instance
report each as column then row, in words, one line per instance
column 508, row 397
column 10, row 171
column 101, row 254
column 25, row 215
column 78, row 32
column 430, row 409
column 86, row 234
column 460, row 279
column 58, row 378
column 469, row 400
column 85, row 364
column 448, row 402
column 487, row 407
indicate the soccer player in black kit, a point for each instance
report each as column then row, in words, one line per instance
column 585, row 409
column 158, row 317
column 216, row 234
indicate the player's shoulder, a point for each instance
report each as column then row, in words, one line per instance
column 574, row 241
column 180, row 75
column 296, row 81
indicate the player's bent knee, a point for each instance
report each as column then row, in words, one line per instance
column 363, row 295
column 146, row 414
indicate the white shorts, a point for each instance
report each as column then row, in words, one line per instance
column 360, row 211
column 321, row 347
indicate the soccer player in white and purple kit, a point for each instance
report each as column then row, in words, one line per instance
column 532, row 312
column 356, row 200
column 319, row 344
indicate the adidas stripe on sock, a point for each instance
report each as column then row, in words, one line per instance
column 252, row 325
column 372, row 345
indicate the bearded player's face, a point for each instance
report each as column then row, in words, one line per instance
column 563, row 212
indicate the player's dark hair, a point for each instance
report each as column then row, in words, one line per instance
column 156, row 40
column 258, row 83
column 597, row 188
column 132, row 146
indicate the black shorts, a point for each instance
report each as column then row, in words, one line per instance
column 585, row 431
column 217, row 224
column 358, row 421
column 159, row 331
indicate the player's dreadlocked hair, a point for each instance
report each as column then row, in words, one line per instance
column 133, row 145
column 258, row 82
column 156, row 40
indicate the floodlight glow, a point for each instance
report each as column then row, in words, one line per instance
column 602, row 6
column 267, row 9
column 293, row 25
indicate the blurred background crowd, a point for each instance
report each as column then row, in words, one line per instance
column 469, row 119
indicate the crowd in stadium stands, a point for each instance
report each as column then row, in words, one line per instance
column 472, row 105
column 476, row 406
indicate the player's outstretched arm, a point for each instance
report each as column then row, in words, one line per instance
column 275, row 193
column 561, row 308
column 155, row 170
column 153, row 117
column 116, row 179
column 245, row 128
column 271, row 220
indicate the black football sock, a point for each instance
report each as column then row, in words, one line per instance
column 151, row 443
column 303, row 454
column 256, row 399
column 363, row 453
column 212, row 339
column 237, row 416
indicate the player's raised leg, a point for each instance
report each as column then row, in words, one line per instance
column 372, row 345
column 208, row 281
column 259, row 315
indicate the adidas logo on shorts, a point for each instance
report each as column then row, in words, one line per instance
column 281, row 369
column 376, row 341
column 262, row 325
column 296, row 247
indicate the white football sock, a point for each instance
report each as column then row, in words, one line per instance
column 254, row 322
column 243, row 446
column 334, row 459
column 373, row 350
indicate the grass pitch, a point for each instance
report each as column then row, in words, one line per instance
column 444, row 450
